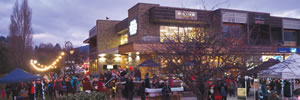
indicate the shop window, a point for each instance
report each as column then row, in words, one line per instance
column 124, row 39
column 174, row 33
column 290, row 35
column 232, row 30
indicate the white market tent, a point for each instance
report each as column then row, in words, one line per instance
column 288, row 69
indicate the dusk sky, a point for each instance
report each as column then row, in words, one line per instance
column 57, row 21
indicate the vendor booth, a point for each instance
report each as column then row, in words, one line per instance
column 18, row 75
column 288, row 69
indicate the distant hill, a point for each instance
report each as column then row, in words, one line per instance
column 83, row 48
column 3, row 39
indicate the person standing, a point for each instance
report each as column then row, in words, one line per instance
column 31, row 91
column 8, row 90
column 166, row 90
column 278, row 87
column 264, row 90
column 141, row 91
column 137, row 74
column 87, row 86
column 287, row 89
column 50, row 89
column 170, row 81
column 231, row 88
column 224, row 92
column 130, row 89
column 147, row 80
column 100, row 85
column 58, row 87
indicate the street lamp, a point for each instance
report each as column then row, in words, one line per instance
column 71, row 51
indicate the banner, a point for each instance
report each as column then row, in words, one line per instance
column 241, row 93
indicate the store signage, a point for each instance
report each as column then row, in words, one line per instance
column 234, row 17
column 288, row 50
column 133, row 27
column 291, row 24
column 259, row 19
column 266, row 58
column 110, row 66
column 188, row 15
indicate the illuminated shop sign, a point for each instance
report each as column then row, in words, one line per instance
column 266, row 58
column 133, row 27
column 288, row 50
column 108, row 67
column 188, row 15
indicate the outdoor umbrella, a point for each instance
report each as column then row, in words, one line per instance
column 18, row 75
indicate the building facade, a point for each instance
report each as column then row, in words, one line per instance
column 122, row 44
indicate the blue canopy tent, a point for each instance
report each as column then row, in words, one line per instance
column 18, row 75
column 148, row 63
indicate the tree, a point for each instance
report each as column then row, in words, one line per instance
column 20, row 35
column 3, row 56
column 46, row 53
column 202, row 54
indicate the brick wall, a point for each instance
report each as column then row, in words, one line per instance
column 141, row 13
column 106, row 36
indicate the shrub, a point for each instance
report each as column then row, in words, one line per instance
column 86, row 96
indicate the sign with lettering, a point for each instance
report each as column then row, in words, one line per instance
column 291, row 24
column 188, row 15
column 288, row 50
column 234, row 17
column 259, row 19
column 133, row 27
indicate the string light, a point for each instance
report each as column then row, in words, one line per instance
column 39, row 67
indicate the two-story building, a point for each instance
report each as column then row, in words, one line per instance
column 121, row 44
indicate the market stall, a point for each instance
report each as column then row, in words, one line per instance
column 18, row 75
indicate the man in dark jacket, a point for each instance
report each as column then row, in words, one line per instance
column 287, row 89
column 141, row 91
column 130, row 87
column 166, row 90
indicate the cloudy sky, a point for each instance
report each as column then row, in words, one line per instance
column 57, row 21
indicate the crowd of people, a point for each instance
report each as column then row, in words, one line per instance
column 274, row 88
column 53, row 85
